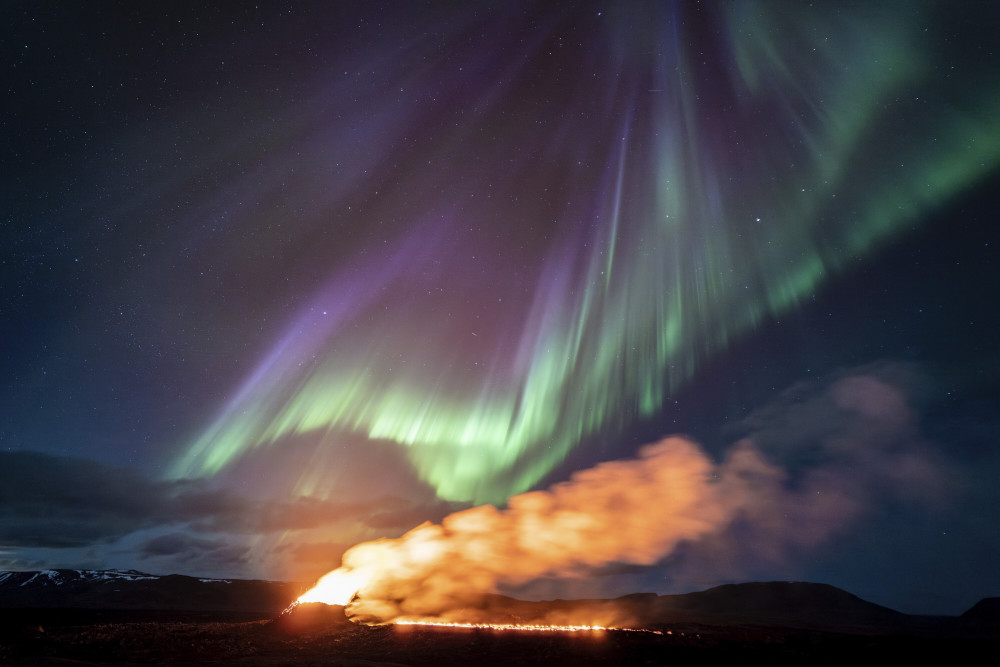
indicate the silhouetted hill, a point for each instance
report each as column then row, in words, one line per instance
column 129, row 589
column 987, row 609
column 91, row 617
column 778, row 602
column 785, row 604
column 772, row 604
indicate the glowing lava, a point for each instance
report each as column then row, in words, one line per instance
column 340, row 587
column 525, row 627
column 336, row 587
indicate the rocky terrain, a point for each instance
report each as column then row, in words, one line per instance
column 70, row 617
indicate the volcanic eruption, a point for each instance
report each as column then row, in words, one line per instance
column 634, row 511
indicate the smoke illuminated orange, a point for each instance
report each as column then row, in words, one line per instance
column 632, row 511
column 337, row 587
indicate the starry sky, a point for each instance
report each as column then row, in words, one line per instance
column 282, row 278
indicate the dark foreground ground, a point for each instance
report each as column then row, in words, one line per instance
column 68, row 637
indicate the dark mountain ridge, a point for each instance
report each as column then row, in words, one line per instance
column 133, row 590
column 96, row 617
column 773, row 603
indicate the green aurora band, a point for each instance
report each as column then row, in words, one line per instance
column 705, row 173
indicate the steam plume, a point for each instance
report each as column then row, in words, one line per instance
column 672, row 500
column 633, row 511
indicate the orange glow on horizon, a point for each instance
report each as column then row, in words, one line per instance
column 524, row 627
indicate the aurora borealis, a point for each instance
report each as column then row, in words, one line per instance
column 365, row 265
column 702, row 206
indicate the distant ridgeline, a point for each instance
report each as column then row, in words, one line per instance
column 129, row 589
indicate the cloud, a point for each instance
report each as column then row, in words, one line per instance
column 56, row 501
column 856, row 429
column 69, row 503
column 811, row 466
column 177, row 543
column 215, row 510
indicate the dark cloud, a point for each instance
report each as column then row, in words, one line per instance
column 177, row 543
column 858, row 426
column 339, row 466
column 61, row 501
column 817, row 466
column 406, row 514
column 54, row 501
column 21, row 564
column 196, row 553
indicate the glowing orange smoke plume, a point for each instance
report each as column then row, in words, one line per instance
column 633, row 511
column 638, row 511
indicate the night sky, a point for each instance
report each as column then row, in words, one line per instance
column 280, row 279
